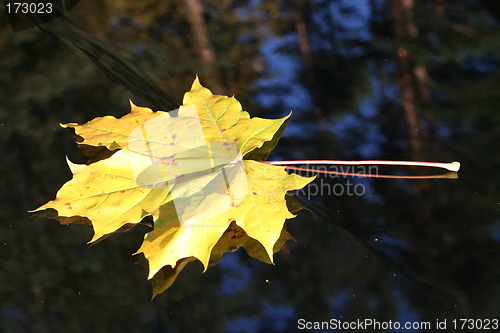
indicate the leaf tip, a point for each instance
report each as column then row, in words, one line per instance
column 139, row 109
column 132, row 105
column 75, row 168
column 97, row 237
column 196, row 83
column 270, row 253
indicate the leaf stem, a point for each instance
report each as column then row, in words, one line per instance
column 453, row 166
column 449, row 175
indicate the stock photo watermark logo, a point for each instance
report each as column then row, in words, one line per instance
column 206, row 178
column 30, row 13
column 203, row 178
column 338, row 180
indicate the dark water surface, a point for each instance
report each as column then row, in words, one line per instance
column 371, row 254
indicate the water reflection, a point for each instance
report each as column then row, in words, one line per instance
column 406, row 250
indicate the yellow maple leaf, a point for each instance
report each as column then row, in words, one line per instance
column 190, row 171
